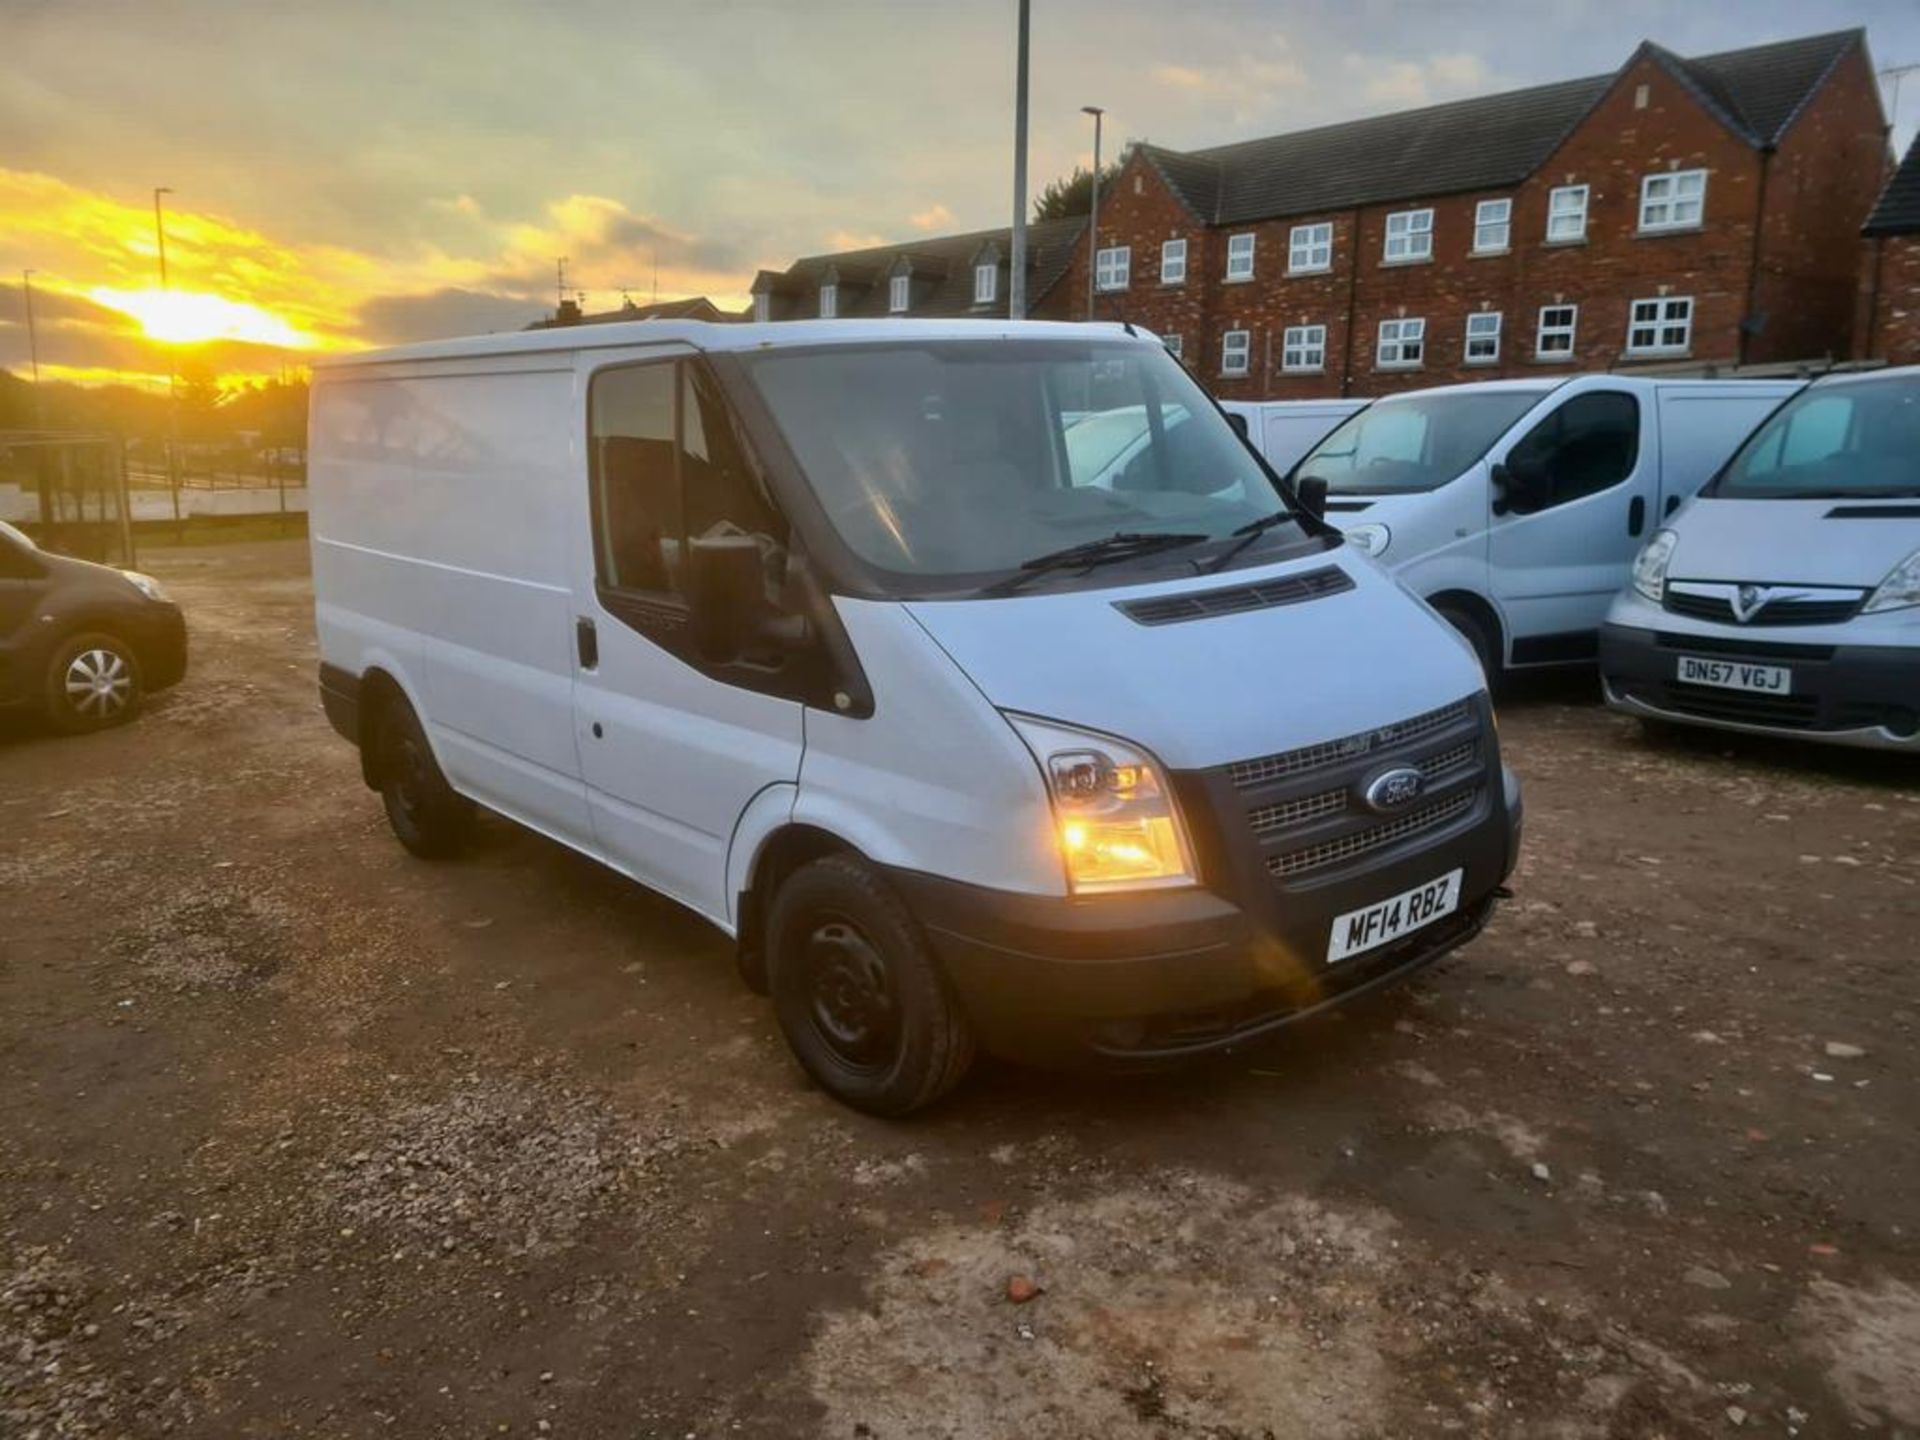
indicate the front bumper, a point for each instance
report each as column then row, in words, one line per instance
column 160, row 640
column 1155, row 976
column 1865, row 696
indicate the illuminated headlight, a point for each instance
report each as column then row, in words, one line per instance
column 1650, row 565
column 1114, row 817
column 1369, row 539
column 145, row 584
column 1898, row 590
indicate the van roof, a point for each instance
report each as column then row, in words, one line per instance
column 704, row 335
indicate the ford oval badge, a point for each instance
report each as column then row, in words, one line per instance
column 1391, row 789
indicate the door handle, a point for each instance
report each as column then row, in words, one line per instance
column 586, row 640
column 1637, row 515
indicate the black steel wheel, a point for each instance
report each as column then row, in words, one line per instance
column 860, row 994
column 427, row 815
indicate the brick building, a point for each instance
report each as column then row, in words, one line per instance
column 1888, row 323
column 1676, row 212
column 944, row 275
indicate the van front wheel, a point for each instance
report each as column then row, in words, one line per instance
column 859, row 993
column 427, row 814
column 1486, row 644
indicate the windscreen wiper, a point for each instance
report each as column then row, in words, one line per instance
column 1121, row 545
column 1248, row 533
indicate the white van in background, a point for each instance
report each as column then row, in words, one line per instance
column 1785, row 599
column 1284, row 430
column 1515, row 507
column 829, row 632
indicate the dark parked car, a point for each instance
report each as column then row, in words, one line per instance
column 82, row 643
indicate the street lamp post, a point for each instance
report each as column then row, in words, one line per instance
column 1017, row 266
column 33, row 351
column 1093, row 212
column 173, row 389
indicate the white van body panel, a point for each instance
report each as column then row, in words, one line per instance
column 1789, row 542
column 1550, row 575
column 1284, row 430
column 441, row 555
column 962, row 794
column 1205, row 692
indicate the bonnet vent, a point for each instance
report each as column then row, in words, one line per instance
column 1235, row 599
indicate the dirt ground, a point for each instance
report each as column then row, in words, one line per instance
column 300, row 1136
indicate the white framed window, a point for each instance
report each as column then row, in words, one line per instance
column 1240, row 257
column 1173, row 262
column 1303, row 348
column 829, row 301
column 1483, row 338
column 1310, row 248
column 899, row 294
column 1112, row 267
column 1403, row 344
column 1172, row 342
column 1235, row 348
column 1492, row 226
column 1566, row 213
column 1663, row 326
column 1673, row 201
column 1409, row 236
column 1553, row 339
column 763, row 307
column 986, row 283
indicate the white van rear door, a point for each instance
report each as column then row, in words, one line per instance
column 673, row 748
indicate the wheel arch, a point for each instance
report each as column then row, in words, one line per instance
column 783, row 851
column 380, row 686
column 1481, row 609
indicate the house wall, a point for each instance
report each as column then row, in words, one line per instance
column 1889, row 312
column 1820, row 189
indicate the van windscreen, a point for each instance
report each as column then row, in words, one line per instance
column 1832, row 442
column 1417, row 443
column 958, row 459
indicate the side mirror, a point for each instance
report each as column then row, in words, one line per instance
column 1239, row 424
column 726, row 591
column 1312, row 493
column 1518, row 490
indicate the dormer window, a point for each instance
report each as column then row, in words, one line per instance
column 899, row 294
column 762, row 307
column 829, row 301
column 986, row 282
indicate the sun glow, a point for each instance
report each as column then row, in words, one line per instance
column 182, row 317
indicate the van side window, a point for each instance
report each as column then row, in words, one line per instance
column 636, row 487
column 669, row 466
column 1589, row 444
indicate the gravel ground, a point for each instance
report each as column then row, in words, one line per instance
column 302, row 1137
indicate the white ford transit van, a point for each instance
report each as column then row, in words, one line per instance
column 1786, row 598
column 821, row 629
column 1515, row 507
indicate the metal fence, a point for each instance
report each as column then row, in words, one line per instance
column 71, row 492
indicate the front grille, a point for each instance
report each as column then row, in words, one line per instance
column 1236, row 599
column 1793, row 712
column 1740, row 646
column 1289, row 813
column 1785, row 611
column 1354, row 844
column 1249, row 773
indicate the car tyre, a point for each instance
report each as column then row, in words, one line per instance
column 860, row 994
column 427, row 814
column 93, row 682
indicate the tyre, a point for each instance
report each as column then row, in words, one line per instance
column 1485, row 643
column 858, row 992
column 93, row 681
column 427, row 814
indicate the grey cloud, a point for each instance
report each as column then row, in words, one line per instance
column 395, row 319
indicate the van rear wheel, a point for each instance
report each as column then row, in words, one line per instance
column 427, row 814
column 859, row 993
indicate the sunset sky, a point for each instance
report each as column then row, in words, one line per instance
column 349, row 174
